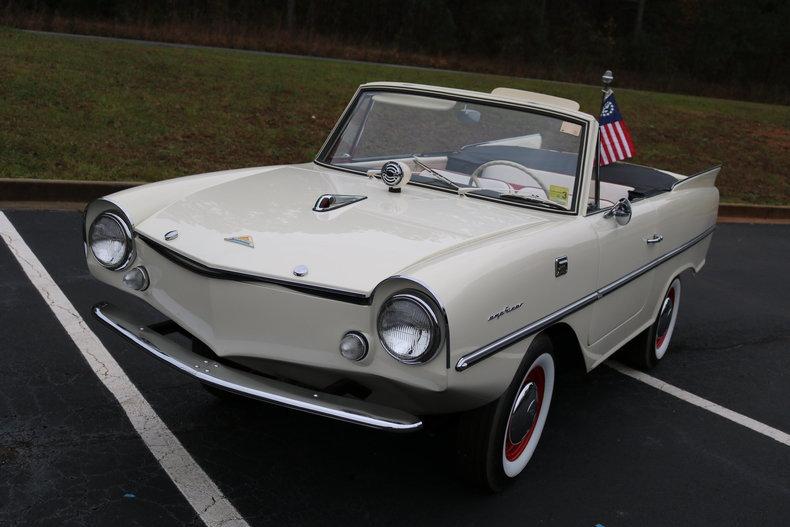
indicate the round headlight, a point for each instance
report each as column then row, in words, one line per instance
column 110, row 241
column 408, row 328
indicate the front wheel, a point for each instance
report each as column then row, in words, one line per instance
column 497, row 441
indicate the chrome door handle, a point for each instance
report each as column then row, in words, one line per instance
column 656, row 238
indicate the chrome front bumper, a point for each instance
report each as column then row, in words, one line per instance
column 254, row 386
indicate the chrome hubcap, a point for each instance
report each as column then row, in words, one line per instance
column 525, row 411
column 665, row 317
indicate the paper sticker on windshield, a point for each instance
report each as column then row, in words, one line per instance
column 571, row 128
column 558, row 194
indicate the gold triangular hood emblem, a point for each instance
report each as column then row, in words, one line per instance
column 245, row 240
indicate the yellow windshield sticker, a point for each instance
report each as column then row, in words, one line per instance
column 558, row 194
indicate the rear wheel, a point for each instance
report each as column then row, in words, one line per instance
column 651, row 345
column 497, row 441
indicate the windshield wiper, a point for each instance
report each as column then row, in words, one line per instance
column 529, row 199
column 435, row 173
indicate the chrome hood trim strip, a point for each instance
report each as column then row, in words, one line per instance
column 520, row 334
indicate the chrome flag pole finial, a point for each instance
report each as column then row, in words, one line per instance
column 606, row 79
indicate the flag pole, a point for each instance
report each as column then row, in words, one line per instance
column 606, row 80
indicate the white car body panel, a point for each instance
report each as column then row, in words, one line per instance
column 474, row 257
column 622, row 248
column 352, row 248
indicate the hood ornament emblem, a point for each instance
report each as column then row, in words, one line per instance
column 329, row 202
column 171, row 235
column 245, row 240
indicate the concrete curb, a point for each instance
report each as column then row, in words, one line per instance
column 42, row 191
column 757, row 212
column 58, row 190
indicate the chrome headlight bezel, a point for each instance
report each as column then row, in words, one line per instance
column 427, row 306
column 128, row 252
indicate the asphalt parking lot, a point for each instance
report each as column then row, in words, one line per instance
column 615, row 451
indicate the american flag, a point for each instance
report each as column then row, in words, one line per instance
column 616, row 142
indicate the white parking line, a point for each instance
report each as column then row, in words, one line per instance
column 198, row 489
column 735, row 417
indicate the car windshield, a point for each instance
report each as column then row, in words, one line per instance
column 517, row 155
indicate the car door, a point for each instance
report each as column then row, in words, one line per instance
column 623, row 249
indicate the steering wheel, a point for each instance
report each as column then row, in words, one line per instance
column 474, row 179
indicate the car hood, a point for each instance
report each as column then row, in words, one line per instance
column 352, row 248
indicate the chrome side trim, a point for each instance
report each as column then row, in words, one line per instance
column 633, row 275
column 255, row 386
column 498, row 345
column 486, row 351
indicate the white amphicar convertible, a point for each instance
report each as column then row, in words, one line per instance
column 444, row 251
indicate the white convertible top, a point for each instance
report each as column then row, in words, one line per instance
column 540, row 98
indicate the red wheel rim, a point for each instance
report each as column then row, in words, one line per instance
column 514, row 450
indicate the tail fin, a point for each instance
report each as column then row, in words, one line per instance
column 706, row 178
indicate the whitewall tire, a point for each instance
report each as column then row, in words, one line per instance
column 667, row 316
column 650, row 346
column 497, row 441
column 528, row 415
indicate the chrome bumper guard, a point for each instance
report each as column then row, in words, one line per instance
column 251, row 385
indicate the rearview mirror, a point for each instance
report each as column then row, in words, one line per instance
column 467, row 115
column 621, row 212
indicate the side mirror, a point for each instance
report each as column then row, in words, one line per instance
column 621, row 212
column 467, row 115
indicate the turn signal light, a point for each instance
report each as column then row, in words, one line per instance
column 136, row 278
column 354, row 346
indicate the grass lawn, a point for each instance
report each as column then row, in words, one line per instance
column 82, row 109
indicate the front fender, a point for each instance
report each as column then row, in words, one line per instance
column 494, row 289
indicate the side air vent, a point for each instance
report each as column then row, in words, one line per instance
column 329, row 202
